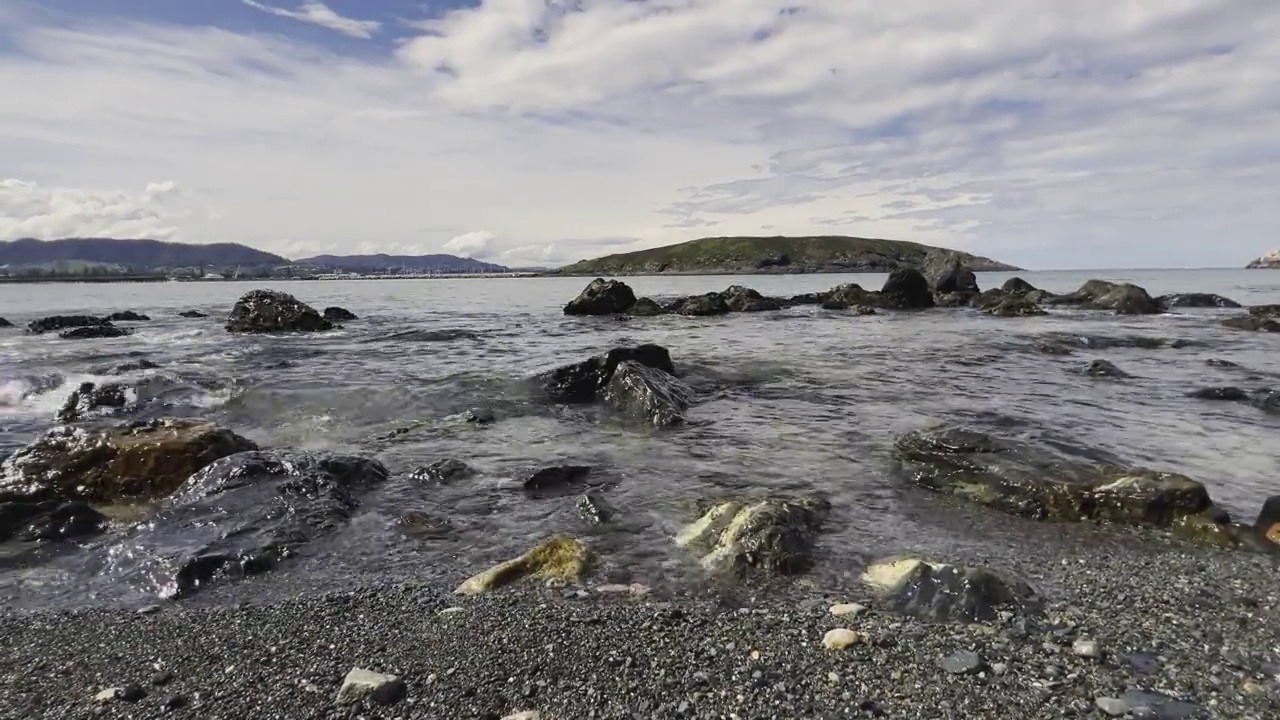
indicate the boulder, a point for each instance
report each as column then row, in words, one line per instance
column 1104, row 369
column 1010, row 306
column 63, row 322
column 115, row 464
column 701, row 305
column 360, row 685
column 744, row 299
column 947, row 274
column 646, row 307
column 1267, row 401
column 1252, row 323
column 582, row 382
column 906, row 289
column 1017, row 286
column 1196, row 300
column 1124, row 298
column 90, row 332
column 1230, row 394
column 559, row 558
column 941, row 592
column 443, row 472
column 271, row 311
column 192, row 314
column 653, row 395
column 602, row 297
column 775, row 535
column 554, row 478
column 338, row 314
column 242, row 515
column 127, row 316
column 845, row 296
column 88, row 398
column 593, row 509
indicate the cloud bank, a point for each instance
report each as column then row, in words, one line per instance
column 1050, row 133
column 320, row 14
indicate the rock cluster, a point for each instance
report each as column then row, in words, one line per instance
column 271, row 311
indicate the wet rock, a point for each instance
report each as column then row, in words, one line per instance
column 744, row 299
column 1268, row 523
column 1196, row 300
column 114, row 464
column 127, row 316
column 1230, row 394
column 271, row 311
column 1052, row 346
column 1252, row 323
column 593, row 509
column 653, row 395
column 94, row 332
column 582, row 382
column 1124, row 298
column 1017, row 286
column 1104, row 369
column 906, row 289
column 702, row 305
column 4, row 323
column 1219, row 362
column 774, row 535
column 64, row 322
column 560, row 558
column 555, row 478
column 953, row 299
column 338, row 314
column 602, row 297
column 806, row 299
column 1114, row 707
column 965, row 662
column 646, row 307
column 162, row 678
column 130, row 693
column 943, row 592
column 1158, row 705
column 1010, row 306
column 360, row 685
column 842, row 297
column 65, row 521
column 1269, row 311
column 1267, row 401
column 126, row 368
column 89, row 397
column 425, row 524
column 947, row 274
column 479, row 416
column 173, row 701
column 193, row 314
column 443, row 472
column 840, row 638
column 241, row 516
column 863, row 310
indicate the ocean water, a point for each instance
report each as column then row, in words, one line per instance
column 797, row 401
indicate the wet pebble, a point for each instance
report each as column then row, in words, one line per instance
column 965, row 662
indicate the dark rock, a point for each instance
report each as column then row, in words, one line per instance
column 602, row 297
column 1231, row 394
column 646, row 307
column 94, row 332
column 338, row 314
column 942, row 592
column 89, row 397
column 131, row 693
column 443, row 472
column 744, row 299
column 555, row 478
column 1105, row 368
column 906, row 289
column 842, row 297
column 66, row 521
column 4, row 323
column 1158, row 706
column 173, row 702
column 1266, row 311
column 425, row 524
column 162, row 678
column 126, row 368
column 479, row 416
column 581, row 382
column 1218, row 362
column 1124, row 298
column 653, row 395
column 863, row 310
column 947, row 274
column 1010, row 306
column 1268, row 523
column 63, row 322
column 965, row 662
column 953, row 299
column 114, row 464
column 1196, row 300
column 127, row 316
column 192, row 314
column 702, row 305
column 271, row 311
column 1252, row 323
column 1267, row 401
column 774, row 535
column 807, row 299
column 1052, row 346
column 593, row 509
column 1017, row 286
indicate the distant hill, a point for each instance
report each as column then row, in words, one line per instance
column 823, row 254
column 406, row 263
column 132, row 255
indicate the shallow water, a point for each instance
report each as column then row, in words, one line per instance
column 801, row 400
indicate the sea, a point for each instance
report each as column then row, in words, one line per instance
column 798, row 401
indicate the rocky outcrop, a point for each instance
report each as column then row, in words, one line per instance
column 242, row 515
column 1123, row 298
column 774, row 535
column 338, row 314
column 1043, row 482
column 63, row 322
column 1270, row 261
column 1196, row 300
column 744, row 299
column 582, row 382
column 1104, row 369
column 646, row 307
column 127, row 316
column 701, row 305
column 94, row 332
column 271, row 311
column 948, row 274
column 653, row 395
column 602, row 297
column 1017, row 286
column 1008, row 305
column 843, row 297
column 88, row 398
column 560, row 558
column 942, row 592
column 125, row 463
column 906, row 289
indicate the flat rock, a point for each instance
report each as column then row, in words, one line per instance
column 965, row 662
column 127, row 316
column 561, row 558
column 944, row 592
column 1123, row 298
column 773, row 534
column 94, row 332
column 1114, row 707
column 360, row 685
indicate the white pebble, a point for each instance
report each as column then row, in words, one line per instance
column 839, row 639
column 843, row 609
column 1086, row 648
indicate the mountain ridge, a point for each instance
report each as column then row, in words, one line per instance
column 132, row 253
column 382, row 262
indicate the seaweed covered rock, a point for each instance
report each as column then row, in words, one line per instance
column 114, row 464
column 906, row 289
column 744, row 299
column 943, row 592
column 559, row 558
column 648, row 393
column 582, row 382
column 774, row 535
column 271, row 311
column 602, row 297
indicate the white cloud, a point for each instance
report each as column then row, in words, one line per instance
column 1048, row 132
column 28, row 210
column 475, row 244
column 319, row 14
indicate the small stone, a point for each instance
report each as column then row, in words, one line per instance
column 1115, row 707
column 131, row 693
column 524, row 715
column 360, row 684
column 164, row 677
column 1252, row 688
column 999, row 668
column 451, row 611
column 613, row 589
column 840, row 638
column 108, row 695
column 1086, row 648
column 173, row 702
column 962, row 663
column 149, row 610
column 833, row 677
column 479, row 416
column 850, row 609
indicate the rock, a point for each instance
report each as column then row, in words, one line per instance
column 338, row 314
column 848, row 609
column 243, row 515
column 1010, row 306
column 840, row 638
column 947, row 274
column 443, row 472
column 525, row 715
column 863, row 310
column 4, row 323
column 1268, row 523
column 173, row 701
column 1017, row 286
column 1086, row 648
column 64, row 521
column 115, row 464
column 94, row 332
column 1269, row 261
column 560, row 558
column 89, row 397
column 1267, row 401
column 1115, row 707
column 1158, row 705
column 1266, row 311
column 582, row 382
column 1124, row 298
column 1219, row 362
column 653, row 395
column 593, row 509
column 702, row 305
column 1196, row 300
column 906, row 289
column 1104, row 369
column 127, row 316
column 744, row 299
column 192, row 314
column 602, row 297
column 555, row 478
column 479, row 416
column 942, row 592
column 965, row 662
column 360, row 685
column 1252, row 323
column 126, row 368
column 775, row 535
column 1230, row 394
column 842, row 297
column 64, row 322
column 130, row 693
column 646, row 307
column 806, row 299
column 162, row 678
column 953, row 299
column 271, row 311
column 418, row 522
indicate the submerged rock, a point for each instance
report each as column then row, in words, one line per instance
column 127, row 316
column 126, row 368
column 653, row 395
column 559, row 558
column 89, row 397
column 1267, row 401
column 49, row 520
column 338, row 314
column 425, row 524
column 193, row 314
column 271, row 311
column 555, row 478
column 953, row 299
column 602, row 297
column 1124, row 298
column 1252, row 323
column 64, row 322
column 1230, row 394
column 115, row 464
column 773, row 535
column 1010, row 306
column 1104, row 369
column 593, row 509
column 943, row 592
column 443, row 472
column 479, row 416
column 646, row 307
column 744, row 299
column 906, row 289
column 1196, row 300
column 4, row 323
column 702, row 305
column 582, row 382
column 91, row 332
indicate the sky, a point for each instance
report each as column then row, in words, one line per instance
column 1045, row 133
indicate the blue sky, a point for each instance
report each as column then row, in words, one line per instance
column 1048, row 133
